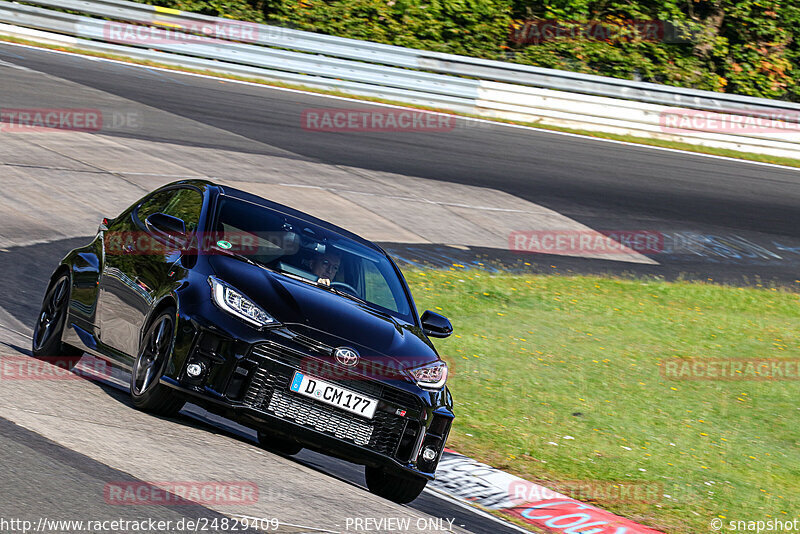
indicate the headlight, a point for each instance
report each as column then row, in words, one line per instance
column 235, row 303
column 431, row 376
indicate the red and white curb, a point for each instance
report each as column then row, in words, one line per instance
column 472, row 482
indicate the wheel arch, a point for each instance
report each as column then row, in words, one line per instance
column 159, row 399
column 62, row 268
column 167, row 301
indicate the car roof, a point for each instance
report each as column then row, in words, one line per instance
column 297, row 214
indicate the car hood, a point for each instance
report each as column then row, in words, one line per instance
column 326, row 317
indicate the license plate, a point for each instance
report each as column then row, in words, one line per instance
column 334, row 395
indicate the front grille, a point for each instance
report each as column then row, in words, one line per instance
column 402, row 398
column 343, row 376
column 257, row 391
column 312, row 344
column 279, row 354
column 268, row 391
column 307, row 413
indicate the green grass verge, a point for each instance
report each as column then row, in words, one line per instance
column 531, row 352
column 557, row 379
column 789, row 162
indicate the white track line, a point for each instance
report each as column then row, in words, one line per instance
column 4, row 327
column 474, row 510
column 393, row 106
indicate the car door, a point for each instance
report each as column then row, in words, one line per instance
column 137, row 266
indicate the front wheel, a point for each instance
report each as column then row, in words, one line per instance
column 394, row 487
column 50, row 323
column 147, row 393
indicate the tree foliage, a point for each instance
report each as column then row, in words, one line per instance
column 740, row 46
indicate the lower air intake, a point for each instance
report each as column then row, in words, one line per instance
column 308, row 414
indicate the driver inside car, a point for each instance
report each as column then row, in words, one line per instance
column 325, row 267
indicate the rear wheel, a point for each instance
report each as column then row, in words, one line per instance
column 398, row 488
column 146, row 392
column 278, row 444
column 50, row 323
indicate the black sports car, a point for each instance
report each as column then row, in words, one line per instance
column 264, row 314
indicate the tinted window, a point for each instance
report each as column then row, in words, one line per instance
column 313, row 254
column 375, row 287
column 154, row 204
column 185, row 204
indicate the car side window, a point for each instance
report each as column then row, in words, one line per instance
column 154, row 204
column 186, row 204
column 376, row 289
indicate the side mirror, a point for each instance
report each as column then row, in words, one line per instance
column 167, row 227
column 435, row 325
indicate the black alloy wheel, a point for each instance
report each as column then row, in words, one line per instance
column 146, row 392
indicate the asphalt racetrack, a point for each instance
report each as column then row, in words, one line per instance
column 436, row 197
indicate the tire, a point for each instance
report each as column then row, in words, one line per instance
column 401, row 489
column 278, row 444
column 146, row 392
column 50, row 324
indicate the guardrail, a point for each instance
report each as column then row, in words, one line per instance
column 397, row 56
column 266, row 35
column 284, row 65
column 460, row 83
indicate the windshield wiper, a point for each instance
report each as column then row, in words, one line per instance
column 264, row 266
column 293, row 276
column 343, row 293
column 237, row 256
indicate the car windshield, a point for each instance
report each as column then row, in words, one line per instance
column 302, row 250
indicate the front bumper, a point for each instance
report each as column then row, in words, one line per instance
column 246, row 376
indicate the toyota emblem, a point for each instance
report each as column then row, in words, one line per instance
column 346, row 356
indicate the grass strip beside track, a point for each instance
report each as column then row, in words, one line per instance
column 559, row 380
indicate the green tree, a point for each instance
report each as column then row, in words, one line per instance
column 742, row 46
